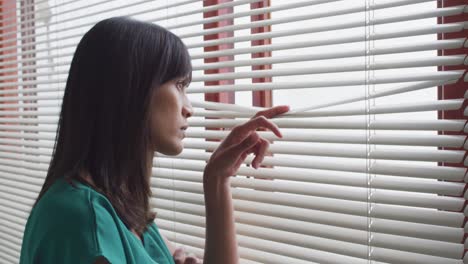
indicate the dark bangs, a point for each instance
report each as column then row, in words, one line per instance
column 176, row 60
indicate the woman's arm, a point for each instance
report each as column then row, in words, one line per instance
column 221, row 244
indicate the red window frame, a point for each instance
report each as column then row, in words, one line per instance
column 456, row 90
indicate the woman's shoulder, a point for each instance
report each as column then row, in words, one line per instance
column 68, row 204
column 74, row 217
column 64, row 217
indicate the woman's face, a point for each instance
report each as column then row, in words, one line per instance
column 169, row 110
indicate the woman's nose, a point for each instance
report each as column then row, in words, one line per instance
column 187, row 110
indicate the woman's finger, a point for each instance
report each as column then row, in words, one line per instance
column 272, row 112
column 260, row 154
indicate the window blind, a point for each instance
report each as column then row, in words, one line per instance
column 363, row 173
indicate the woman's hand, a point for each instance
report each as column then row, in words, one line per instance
column 181, row 258
column 243, row 140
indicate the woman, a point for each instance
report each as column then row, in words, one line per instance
column 125, row 99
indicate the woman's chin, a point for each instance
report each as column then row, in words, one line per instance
column 175, row 149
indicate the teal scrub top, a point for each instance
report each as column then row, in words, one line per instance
column 78, row 224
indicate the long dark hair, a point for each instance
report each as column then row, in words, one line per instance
column 103, row 127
